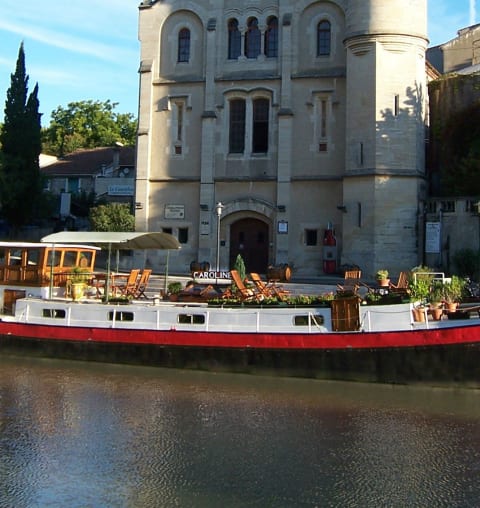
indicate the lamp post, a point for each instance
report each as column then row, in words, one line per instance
column 218, row 209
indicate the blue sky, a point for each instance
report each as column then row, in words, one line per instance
column 88, row 49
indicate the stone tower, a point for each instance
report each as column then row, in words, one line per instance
column 384, row 158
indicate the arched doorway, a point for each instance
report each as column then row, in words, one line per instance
column 249, row 238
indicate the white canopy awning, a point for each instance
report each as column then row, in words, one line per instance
column 32, row 245
column 116, row 240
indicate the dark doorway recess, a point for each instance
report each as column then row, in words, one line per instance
column 249, row 238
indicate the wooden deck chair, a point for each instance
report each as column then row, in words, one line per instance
column 242, row 291
column 139, row 291
column 267, row 289
column 402, row 284
column 130, row 283
column 351, row 282
column 197, row 293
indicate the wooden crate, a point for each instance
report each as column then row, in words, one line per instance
column 346, row 314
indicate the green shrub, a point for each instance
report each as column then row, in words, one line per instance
column 467, row 263
column 240, row 266
column 175, row 287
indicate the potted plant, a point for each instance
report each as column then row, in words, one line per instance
column 419, row 290
column 436, row 300
column 174, row 288
column 382, row 277
column 79, row 280
column 453, row 292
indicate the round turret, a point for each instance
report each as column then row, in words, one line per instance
column 405, row 17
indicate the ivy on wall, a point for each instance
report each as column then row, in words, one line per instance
column 454, row 149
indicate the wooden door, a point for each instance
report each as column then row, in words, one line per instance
column 249, row 238
column 10, row 296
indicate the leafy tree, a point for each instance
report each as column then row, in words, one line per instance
column 82, row 202
column 87, row 124
column 20, row 178
column 461, row 152
column 112, row 217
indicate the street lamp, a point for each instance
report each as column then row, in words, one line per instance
column 218, row 209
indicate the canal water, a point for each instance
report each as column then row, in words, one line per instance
column 93, row 435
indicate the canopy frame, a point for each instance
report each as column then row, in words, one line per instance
column 127, row 240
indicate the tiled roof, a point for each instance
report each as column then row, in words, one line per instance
column 85, row 162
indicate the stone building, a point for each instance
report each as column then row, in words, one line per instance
column 91, row 170
column 294, row 115
column 458, row 53
column 107, row 172
column 453, row 100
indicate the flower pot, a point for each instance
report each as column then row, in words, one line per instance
column 418, row 314
column 383, row 282
column 451, row 307
column 78, row 290
column 436, row 313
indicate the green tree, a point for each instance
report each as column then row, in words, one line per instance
column 461, row 152
column 240, row 266
column 87, row 124
column 112, row 217
column 20, row 178
column 82, row 202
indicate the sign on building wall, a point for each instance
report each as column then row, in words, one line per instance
column 283, row 227
column 204, row 227
column 432, row 237
column 120, row 190
column 174, row 211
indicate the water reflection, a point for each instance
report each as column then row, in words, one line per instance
column 75, row 434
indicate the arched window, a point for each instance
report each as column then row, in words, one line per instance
column 234, row 40
column 252, row 39
column 249, row 125
column 237, row 126
column 184, row 45
column 324, row 38
column 260, row 126
column 271, row 38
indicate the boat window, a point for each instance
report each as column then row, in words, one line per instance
column 15, row 257
column 33, row 256
column 70, row 258
column 85, row 259
column 120, row 315
column 2, row 256
column 54, row 313
column 309, row 319
column 191, row 319
column 55, row 255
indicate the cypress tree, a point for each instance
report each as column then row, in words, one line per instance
column 20, row 178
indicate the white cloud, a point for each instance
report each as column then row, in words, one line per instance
column 66, row 42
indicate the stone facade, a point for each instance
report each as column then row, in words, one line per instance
column 459, row 53
column 294, row 115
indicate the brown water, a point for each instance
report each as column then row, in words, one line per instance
column 94, row 435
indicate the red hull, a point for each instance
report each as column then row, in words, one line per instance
column 448, row 355
column 231, row 340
